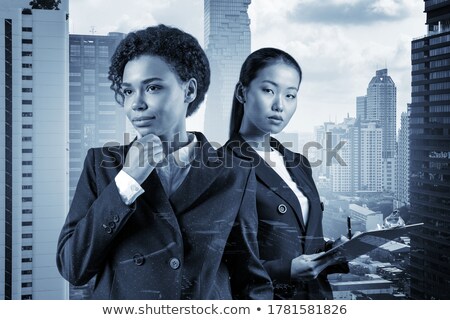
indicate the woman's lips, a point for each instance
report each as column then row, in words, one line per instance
column 143, row 121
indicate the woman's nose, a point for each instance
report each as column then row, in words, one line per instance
column 278, row 104
column 139, row 103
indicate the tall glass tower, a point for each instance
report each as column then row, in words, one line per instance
column 429, row 127
column 227, row 43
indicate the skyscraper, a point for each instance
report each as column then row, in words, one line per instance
column 227, row 43
column 401, row 195
column 429, row 127
column 381, row 105
column 95, row 117
column 34, row 148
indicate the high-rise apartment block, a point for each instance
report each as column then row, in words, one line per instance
column 370, row 153
column 227, row 44
column 34, row 166
column 359, row 151
column 429, row 129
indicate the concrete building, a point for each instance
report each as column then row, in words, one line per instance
column 429, row 128
column 370, row 219
column 34, row 117
column 227, row 44
column 346, row 290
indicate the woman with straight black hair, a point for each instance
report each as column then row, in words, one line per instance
column 290, row 232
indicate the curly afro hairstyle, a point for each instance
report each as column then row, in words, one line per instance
column 180, row 50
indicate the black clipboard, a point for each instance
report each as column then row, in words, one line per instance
column 365, row 242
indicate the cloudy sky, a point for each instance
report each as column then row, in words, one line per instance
column 339, row 43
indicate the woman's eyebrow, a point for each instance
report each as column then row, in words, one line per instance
column 276, row 85
column 126, row 84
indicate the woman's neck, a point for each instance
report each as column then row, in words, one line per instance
column 257, row 141
column 171, row 144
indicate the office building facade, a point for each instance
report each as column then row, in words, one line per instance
column 34, row 148
column 402, row 195
column 95, row 117
column 429, row 129
column 227, row 44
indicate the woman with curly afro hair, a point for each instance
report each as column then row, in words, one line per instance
column 165, row 217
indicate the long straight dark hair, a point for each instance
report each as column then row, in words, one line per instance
column 255, row 62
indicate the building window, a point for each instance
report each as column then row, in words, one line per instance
column 27, row 150
column 27, row 223
column 27, row 199
column 27, row 102
column 27, row 126
column 27, row 187
column 27, row 248
column 27, row 89
column 25, row 260
column 27, row 163
column 27, row 236
column 27, row 77
column 27, row 54
column 26, row 138
column 27, row 211
column 25, row 272
column 27, row 29
column 27, row 65
column 27, row 175
column 27, row 41
column 27, row 285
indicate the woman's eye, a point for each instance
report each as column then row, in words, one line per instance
column 152, row 88
column 127, row 92
column 291, row 96
column 267, row 90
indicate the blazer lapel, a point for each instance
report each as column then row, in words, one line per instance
column 297, row 168
column 205, row 168
column 267, row 176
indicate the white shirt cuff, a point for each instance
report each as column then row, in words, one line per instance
column 128, row 188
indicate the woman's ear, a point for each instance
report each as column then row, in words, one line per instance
column 239, row 92
column 190, row 90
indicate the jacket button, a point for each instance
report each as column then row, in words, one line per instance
column 116, row 218
column 174, row 263
column 282, row 209
column 138, row 259
column 108, row 229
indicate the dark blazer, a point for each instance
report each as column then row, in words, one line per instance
column 283, row 235
column 160, row 247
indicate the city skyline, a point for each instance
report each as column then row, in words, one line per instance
column 330, row 42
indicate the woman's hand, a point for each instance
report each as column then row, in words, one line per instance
column 309, row 266
column 144, row 154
